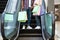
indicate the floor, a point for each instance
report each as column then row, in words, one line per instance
column 57, row 30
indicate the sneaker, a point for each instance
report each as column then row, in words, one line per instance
column 29, row 27
column 23, row 27
column 1, row 38
column 38, row 27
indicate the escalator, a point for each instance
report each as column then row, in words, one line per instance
column 30, row 34
column 25, row 34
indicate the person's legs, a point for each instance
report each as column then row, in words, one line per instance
column 37, row 22
column 23, row 26
column 29, row 17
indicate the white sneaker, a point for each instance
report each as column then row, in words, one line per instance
column 29, row 27
column 38, row 27
column 1, row 38
column 23, row 27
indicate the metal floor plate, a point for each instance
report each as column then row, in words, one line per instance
column 30, row 38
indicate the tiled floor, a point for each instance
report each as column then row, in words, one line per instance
column 57, row 30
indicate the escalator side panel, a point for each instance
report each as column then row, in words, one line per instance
column 10, row 27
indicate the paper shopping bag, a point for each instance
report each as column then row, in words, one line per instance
column 22, row 16
column 35, row 10
column 37, row 13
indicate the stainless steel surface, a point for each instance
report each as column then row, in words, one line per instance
column 30, row 38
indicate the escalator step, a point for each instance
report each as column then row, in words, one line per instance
column 30, row 35
column 30, row 38
column 22, row 31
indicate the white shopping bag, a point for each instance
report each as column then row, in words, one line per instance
column 22, row 16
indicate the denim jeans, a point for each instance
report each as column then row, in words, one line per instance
column 38, row 20
column 29, row 13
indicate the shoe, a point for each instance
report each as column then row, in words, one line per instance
column 38, row 27
column 29, row 27
column 1, row 38
column 23, row 27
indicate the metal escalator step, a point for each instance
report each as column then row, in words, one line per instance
column 30, row 38
column 30, row 24
column 30, row 35
column 22, row 31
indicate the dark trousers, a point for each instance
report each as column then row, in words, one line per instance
column 38, row 20
column 29, row 13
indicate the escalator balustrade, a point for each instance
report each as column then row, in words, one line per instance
column 10, row 27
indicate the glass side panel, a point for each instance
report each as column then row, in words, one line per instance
column 8, row 17
column 10, row 27
column 48, row 21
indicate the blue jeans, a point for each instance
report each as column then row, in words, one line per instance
column 29, row 13
column 38, row 20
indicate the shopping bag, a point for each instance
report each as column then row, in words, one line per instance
column 48, row 22
column 38, row 13
column 36, row 10
column 22, row 16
